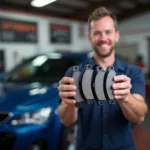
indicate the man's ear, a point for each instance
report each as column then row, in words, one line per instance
column 117, row 36
column 89, row 37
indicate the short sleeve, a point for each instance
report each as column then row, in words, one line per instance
column 68, row 72
column 138, row 82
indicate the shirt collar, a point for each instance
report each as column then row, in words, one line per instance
column 118, row 65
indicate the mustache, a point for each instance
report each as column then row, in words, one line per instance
column 102, row 42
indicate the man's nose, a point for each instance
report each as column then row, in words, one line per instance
column 103, row 37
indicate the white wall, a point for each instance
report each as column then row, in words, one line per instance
column 43, row 45
column 135, row 31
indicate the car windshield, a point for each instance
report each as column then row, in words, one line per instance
column 41, row 69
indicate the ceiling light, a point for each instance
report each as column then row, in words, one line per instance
column 41, row 3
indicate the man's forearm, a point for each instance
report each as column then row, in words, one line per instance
column 68, row 114
column 133, row 109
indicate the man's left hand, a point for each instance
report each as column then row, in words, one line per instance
column 121, row 87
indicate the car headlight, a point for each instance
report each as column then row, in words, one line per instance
column 38, row 117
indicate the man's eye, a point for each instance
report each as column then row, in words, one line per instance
column 108, row 32
column 96, row 33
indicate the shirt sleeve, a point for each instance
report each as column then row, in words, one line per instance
column 138, row 82
column 68, row 72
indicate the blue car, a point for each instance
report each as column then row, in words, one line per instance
column 29, row 100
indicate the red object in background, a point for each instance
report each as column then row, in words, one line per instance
column 140, row 62
column 141, row 65
column 148, row 91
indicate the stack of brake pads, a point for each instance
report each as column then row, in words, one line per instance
column 93, row 83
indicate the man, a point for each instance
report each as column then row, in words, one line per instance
column 107, row 127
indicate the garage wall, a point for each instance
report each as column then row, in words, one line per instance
column 135, row 31
column 128, row 52
column 24, row 50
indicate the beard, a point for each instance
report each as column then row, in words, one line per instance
column 96, row 50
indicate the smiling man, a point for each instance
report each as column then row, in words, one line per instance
column 107, row 127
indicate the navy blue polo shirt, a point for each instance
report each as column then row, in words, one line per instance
column 105, row 127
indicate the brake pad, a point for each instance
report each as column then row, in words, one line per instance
column 86, row 83
column 98, row 85
column 108, row 81
column 76, row 75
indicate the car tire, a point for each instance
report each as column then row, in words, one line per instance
column 67, row 137
column 38, row 146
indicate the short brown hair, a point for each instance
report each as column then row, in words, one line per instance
column 99, row 13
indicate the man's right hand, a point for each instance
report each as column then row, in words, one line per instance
column 67, row 91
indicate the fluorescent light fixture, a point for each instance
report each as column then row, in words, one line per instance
column 41, row 3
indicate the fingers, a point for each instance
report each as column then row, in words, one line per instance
column 67, row 94
column 65, row 84
column 121, row 78
column 65, row 87
column 121, row 87
column 122, row 82
column 70, row 102
column 67, row 90
column 66, row 80
column 120, row 97
column 121, row 92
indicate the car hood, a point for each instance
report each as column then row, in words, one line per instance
column 26, row 97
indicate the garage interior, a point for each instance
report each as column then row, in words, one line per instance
column 79, row 10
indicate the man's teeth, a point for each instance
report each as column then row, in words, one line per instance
column 104, row 45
